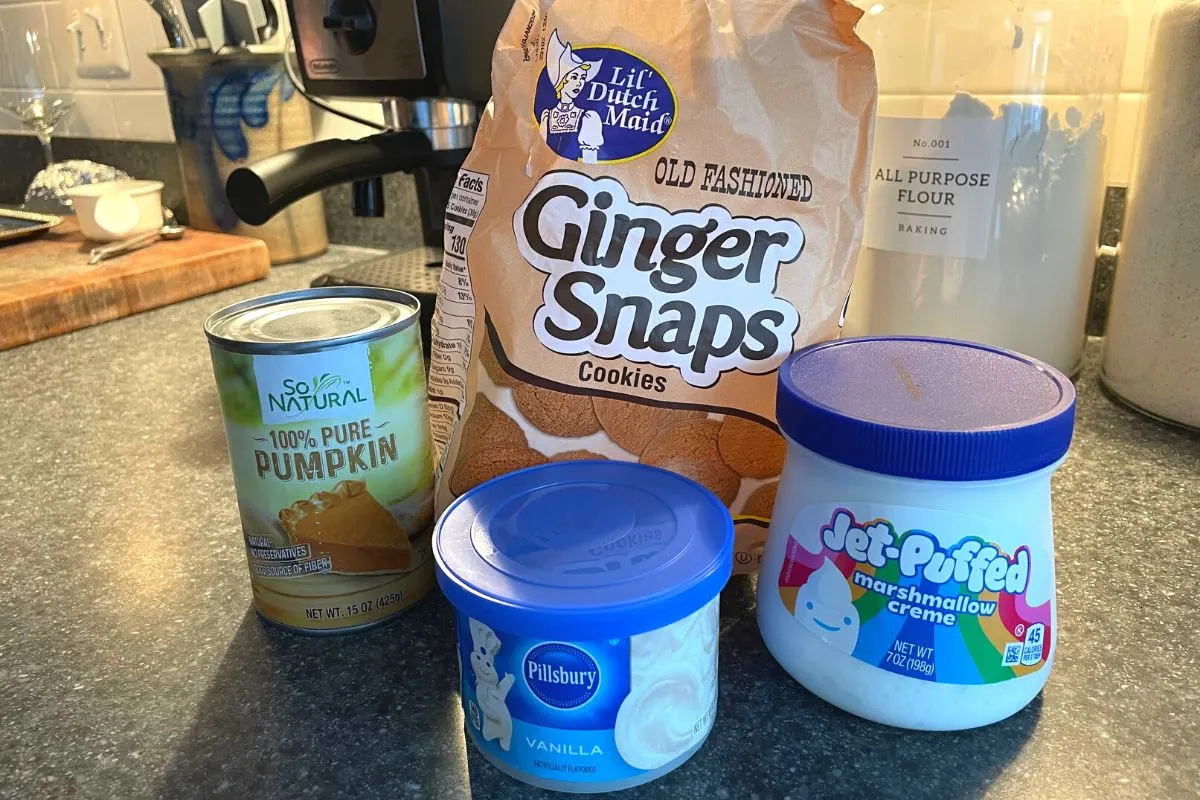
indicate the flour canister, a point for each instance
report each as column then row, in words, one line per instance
column 587, row 595
column 323, row 394
column 909, row 571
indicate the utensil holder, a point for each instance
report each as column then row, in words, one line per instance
column 229, row 110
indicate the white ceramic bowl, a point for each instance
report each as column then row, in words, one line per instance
column 111, row 211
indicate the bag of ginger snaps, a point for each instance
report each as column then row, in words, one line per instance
column 664, row 200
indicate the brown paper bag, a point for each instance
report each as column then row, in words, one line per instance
column 664, row 200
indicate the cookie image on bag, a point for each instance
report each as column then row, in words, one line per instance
column 491, row 364
column 690, row 448
column 761, row 502
column 632, row 426
column 751, row 449
column 569, row 416
column 489, row 462
column 577, row 455
column 488, row 425
column 492, row 445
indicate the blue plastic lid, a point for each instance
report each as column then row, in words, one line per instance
column 584, row 550
column 934, row 409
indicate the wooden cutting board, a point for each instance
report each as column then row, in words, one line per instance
column 47, row 287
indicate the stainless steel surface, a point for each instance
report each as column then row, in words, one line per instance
column 449, row 123
column 396, row 113
column 28, row 224
column 169, row 230
column 395, row 53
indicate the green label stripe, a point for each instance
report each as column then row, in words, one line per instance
column 983, row 652
column 872, row 603
column 237, row 387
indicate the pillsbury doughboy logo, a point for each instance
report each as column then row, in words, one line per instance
column 601, row 105
column 561, row 675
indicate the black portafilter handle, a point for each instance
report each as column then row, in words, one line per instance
column 263, row 189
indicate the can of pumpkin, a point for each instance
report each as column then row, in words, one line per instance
column 323, row 396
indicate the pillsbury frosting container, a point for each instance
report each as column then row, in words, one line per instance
column 587, row 604
column 909, row 572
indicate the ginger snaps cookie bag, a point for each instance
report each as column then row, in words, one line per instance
column 664, row 201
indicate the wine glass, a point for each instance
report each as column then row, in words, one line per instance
column 35, row 111
column 47, row 191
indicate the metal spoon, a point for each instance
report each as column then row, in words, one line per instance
column 169, row 230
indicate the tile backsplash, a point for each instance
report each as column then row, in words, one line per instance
column 129, row 107
column 135, row 107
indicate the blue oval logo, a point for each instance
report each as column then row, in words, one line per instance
column 561, row 675
column 601, row 105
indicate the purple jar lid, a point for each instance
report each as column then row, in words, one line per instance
column 932, row 409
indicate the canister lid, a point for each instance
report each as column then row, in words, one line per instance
column 311, row 319
column 934, row 409
column 584, row 550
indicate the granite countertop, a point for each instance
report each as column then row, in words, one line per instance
column 131, row 664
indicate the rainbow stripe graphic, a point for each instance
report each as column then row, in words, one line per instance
column 976, row 647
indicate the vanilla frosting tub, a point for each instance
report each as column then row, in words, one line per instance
column 587, row 616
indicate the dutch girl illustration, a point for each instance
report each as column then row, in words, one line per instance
column 571, row 131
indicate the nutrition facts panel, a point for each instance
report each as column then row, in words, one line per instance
column 454, row 320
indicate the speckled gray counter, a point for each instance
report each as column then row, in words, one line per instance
column 131, row 665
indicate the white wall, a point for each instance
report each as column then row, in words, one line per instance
column 133, row 107
column 1132, row 86
column 136, row 107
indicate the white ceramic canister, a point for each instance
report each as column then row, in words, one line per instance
column 587, row 616
column 909, row 571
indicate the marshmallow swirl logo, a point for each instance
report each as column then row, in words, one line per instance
column 561, row 675
column 601, row 105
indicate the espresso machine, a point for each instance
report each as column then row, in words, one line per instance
column 428, row 64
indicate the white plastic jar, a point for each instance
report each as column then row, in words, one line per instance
column 587, row 599
column 908, row 576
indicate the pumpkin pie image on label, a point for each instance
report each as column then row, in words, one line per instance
column 352, row 527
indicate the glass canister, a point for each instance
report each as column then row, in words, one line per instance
column 1152, row 354
column 988, row 173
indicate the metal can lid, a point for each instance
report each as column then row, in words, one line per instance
column 311, row 319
